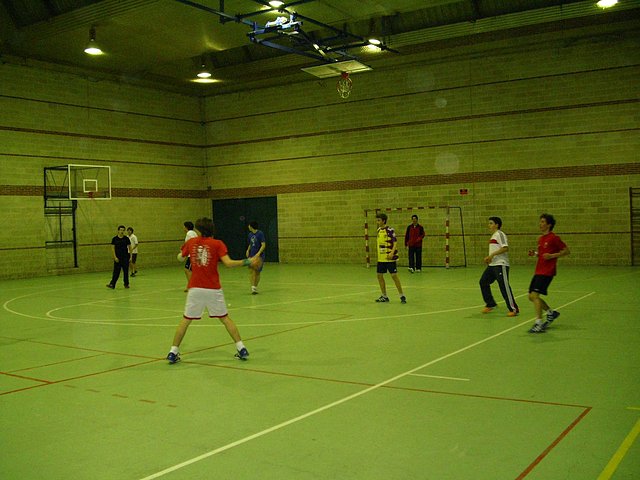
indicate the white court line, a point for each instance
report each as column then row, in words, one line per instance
column 6, row 307
column 50, row 317
column 279, row 324
column 337, row 402
column 437, row 376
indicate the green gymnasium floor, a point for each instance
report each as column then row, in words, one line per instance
column 337, row 386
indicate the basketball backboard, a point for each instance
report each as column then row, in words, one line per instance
column 89, row 182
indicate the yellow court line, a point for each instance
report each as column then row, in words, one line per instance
column 619, row 455
column 633, row 408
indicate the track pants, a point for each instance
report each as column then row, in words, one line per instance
column 117, row 266
column 415, row 258
column 501, row 274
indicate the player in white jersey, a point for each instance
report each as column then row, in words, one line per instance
column 189, row 234
column 497, row 269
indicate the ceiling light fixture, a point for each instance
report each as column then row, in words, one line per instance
column 93, row 48
column 606, row 3
column 276, row 3
column 373, row 45
column 204, row 73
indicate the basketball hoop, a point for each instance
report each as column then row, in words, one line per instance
column 344, row 85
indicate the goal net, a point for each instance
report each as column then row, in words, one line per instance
column 444, row 242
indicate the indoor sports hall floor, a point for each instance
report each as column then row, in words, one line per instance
column 337, row 386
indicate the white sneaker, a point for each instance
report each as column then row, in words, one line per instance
column 411, row 270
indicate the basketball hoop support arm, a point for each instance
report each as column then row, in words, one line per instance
column 343, row 39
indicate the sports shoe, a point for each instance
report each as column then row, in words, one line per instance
column 411, row 270
column 126, row 286
column 403, row 299
column 133, row 274
column 173, row 357
column 382, row 299
column 487, row 309
column 418, row 270
column 110, row 286
column 254, row 292
column 552, row 315
column 512, row 313
column 537, row 328
column 550, row 318
column 242, row 354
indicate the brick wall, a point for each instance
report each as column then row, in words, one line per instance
column 538, row 122
column 151, row 140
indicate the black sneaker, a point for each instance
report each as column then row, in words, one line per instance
column 173, row 357
column 403, row 299
column 110, row 286
column 242, row 354
column 550, row 318
column 537, row 328
column 382, row 299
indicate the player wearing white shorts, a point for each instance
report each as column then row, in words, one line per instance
column 205, row 291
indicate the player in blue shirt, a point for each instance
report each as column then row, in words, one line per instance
column 257, row 246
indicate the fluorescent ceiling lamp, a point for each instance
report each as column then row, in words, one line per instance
column 276, row 3
column 606, row 3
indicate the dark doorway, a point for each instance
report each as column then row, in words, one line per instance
column 232, row 217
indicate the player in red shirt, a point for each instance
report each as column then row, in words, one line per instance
column 550, row 248
column 204, row 286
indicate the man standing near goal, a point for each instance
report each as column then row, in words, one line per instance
column 413, row 241
column 497, row 269
column 387, row 245
column 550, row 248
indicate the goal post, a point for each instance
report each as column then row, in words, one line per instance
column 444, row 244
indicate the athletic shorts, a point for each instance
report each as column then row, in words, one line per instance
column 384, row 267
column 200, row 298
column 134, row 257
column 540, row 283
